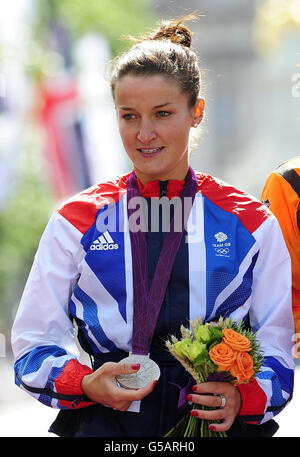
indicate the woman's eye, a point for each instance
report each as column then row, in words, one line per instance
column 129, row 116
column 163, row 113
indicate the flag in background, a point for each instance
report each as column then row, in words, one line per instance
column 83, row 145
column 64, row 149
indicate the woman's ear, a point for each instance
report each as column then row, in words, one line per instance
column 199, row 110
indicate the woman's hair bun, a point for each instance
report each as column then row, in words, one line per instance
column 174, row 31
column 165, row 51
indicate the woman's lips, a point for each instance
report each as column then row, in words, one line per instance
column 150, row 151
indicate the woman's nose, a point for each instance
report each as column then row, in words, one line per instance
column 146, row 133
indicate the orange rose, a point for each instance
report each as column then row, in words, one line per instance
column 223, row 356
column 235, row 340
column 242, row 369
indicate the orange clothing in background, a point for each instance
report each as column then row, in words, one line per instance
column 282, row 194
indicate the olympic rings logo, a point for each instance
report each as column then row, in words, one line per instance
column 222, row 251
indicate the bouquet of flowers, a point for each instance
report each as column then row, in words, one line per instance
column 223, row 351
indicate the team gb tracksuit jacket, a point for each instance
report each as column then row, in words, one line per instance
column 232, row 261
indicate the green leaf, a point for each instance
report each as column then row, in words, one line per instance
column 201, row 357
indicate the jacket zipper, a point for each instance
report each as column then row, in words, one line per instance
column 163, row 188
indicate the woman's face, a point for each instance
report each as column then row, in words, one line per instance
column 154, row 121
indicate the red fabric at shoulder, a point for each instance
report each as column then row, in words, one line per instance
column 81, row 210
column 247, row 208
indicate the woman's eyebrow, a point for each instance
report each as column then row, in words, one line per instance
column 161, row 106
column 154, row 107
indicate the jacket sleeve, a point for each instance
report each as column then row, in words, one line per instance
column 46, row 357
column 271, row 317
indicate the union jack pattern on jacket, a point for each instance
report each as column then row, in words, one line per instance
column 238, row 264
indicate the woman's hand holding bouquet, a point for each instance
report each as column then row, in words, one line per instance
column 213, row 352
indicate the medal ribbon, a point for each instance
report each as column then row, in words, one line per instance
column 147, row 302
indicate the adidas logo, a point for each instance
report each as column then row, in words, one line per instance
column 104, row 242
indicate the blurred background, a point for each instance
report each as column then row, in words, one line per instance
column 58, row 130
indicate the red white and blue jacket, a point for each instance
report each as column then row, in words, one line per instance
column 232, row 262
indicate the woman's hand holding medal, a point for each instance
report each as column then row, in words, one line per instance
column 102, row 387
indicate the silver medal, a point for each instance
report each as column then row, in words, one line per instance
column 149, row 371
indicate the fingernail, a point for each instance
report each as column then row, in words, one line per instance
column 212, row 427
column 155, row 383
column 189, row 397
column 136, row 366
column 194, row 413
column 194, row 388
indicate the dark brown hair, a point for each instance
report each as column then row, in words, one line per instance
column 167, row 52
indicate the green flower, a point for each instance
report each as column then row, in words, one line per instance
column 208, row 334
column 181, row 347
column 202, row 334
column 196, row 350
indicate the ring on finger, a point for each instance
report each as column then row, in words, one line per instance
column 223, row 400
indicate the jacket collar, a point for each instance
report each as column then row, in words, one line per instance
column 152, row 188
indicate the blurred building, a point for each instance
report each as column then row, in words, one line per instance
column 252, row 119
